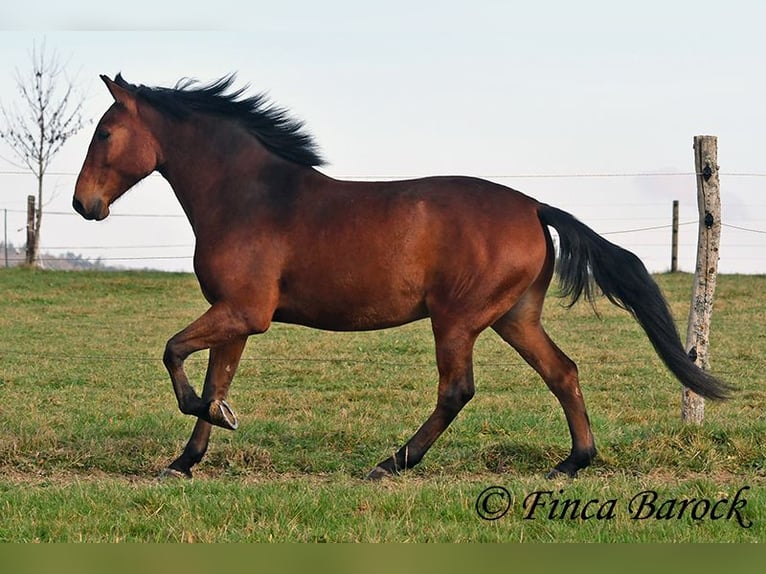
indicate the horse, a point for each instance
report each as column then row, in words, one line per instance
column 277, row 240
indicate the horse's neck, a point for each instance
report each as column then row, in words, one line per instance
column 210, row 171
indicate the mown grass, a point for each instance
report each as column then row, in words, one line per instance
column 89, row 419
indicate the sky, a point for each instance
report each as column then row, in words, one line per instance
column 590, row 106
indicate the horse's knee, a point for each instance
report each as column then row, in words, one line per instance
column 174, row 355
column 170, row 357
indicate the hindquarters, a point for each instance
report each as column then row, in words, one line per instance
column 488, row 251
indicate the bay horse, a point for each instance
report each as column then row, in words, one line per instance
column 277, row 240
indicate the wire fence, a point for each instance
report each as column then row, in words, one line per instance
column 311, row 363
column 69, row 251
column 190, row 246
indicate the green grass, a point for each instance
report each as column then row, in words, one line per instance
column 89, row 419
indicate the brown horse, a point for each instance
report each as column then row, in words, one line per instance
column 276, row 240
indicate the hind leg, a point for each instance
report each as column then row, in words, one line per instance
column 521, row 328
column 454, row 348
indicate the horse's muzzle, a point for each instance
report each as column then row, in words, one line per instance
column 93, row 211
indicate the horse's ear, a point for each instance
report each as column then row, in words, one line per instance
column 120, row 94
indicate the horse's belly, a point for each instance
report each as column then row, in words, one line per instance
column 351, row 311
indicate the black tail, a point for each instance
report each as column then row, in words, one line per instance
column 586, row 259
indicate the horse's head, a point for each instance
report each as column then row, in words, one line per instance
column 122, row 152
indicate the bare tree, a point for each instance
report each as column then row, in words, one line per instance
column 36, row 127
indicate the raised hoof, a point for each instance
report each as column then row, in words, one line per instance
column 222, row 415
column 172, row 473
column 378, row 473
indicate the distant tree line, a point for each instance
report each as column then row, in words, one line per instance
column 69, row 261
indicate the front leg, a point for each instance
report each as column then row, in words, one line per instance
column 218, row 326
column 222, row 364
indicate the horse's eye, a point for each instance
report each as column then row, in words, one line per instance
column 102, row 135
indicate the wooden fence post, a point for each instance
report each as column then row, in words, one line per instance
column 674, row 242
column 30, row 229
column 708, row 243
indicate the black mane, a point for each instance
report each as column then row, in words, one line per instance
column 272, row 125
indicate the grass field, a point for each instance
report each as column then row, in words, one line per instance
column 89, row 419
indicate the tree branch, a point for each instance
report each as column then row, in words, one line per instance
column 51, row 115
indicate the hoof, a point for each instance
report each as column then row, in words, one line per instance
column 378, row 473
column 222, row 415
column 172, row 473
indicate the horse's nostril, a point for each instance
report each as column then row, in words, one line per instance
column 77, row 206
column 91, row 212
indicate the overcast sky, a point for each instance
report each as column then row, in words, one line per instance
column 554, row 90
